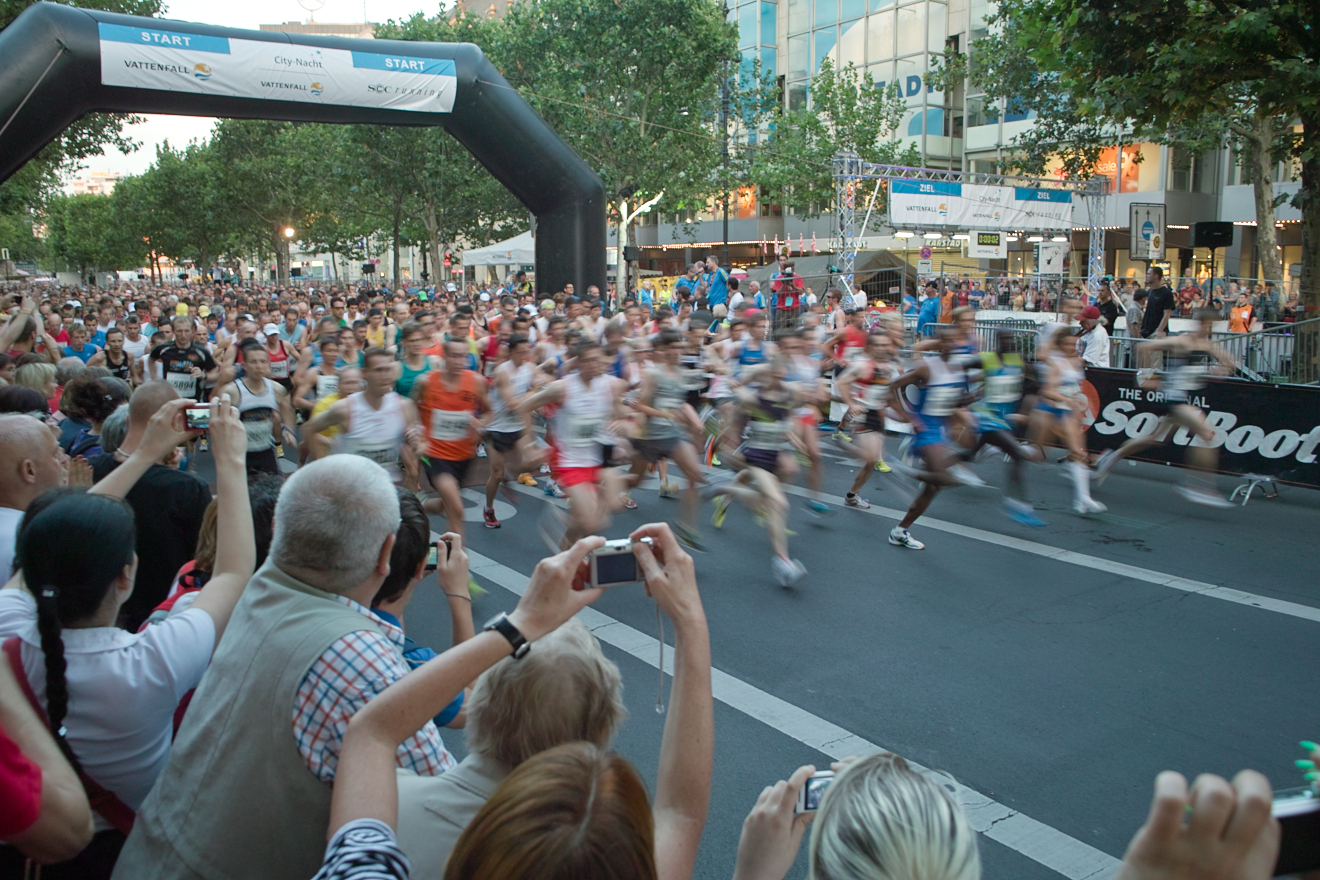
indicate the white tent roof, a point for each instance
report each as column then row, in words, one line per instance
column 519, row 250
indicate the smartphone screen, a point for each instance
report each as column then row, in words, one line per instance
column 432, row 558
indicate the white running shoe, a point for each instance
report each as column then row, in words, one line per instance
column 1203, row 496
column 964, row 475
column 899, row 537
column 1089, row 506
column 787, row 571
column 857, row 501
column 1103, row 465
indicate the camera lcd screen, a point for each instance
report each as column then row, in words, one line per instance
column 816, row 790
column 432, row 561
column 197, row 418
column 616, row 568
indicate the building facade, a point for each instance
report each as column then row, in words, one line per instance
column 896, row 42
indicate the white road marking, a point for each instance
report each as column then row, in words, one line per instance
column 1187, row 585
column 1037, row 841
column 1058, row 554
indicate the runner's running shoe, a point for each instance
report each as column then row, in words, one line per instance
column 787, row 571
column 1021, row 512
column 1087, row 507
column 689, row 538
column 882, row 467
column 491, row 521
column 899, row 537
column 1203, row 495
column 668, row 490
column 857, row 501
column 721, row 511
column 1103, row 466
column 552, row 489
column 527, row 479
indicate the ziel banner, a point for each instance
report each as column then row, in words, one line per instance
column 1273, row 430
column 177, row 61
column 972, row 206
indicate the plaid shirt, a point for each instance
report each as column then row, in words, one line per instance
column 354, row 669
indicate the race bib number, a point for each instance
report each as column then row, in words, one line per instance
column 450, row 425
column 386, row 456
column 583, row 429
column 184, row 383
column 326, row 385
column 260, row 434
column 1003, row 389
column 665, row 402
column 279, row 369
column 876, row 394
column 1189, row 378
column 765, row 435
column 941, row 399
column 853, row 355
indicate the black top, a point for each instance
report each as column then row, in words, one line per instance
column 1158, row 301
column 168, row 505
column 180, row 362
column 1109, row 311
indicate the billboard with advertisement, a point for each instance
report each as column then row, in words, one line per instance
column 1272, row 430
column 178, row 61
column 930, row 203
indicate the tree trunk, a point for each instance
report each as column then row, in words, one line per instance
column 280, row 245
column 1260, row 169
column 1306, row 356
column 398, row 210
column 433, row 239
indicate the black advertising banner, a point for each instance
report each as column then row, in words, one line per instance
column 1272, row 430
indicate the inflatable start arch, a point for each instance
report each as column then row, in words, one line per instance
column 59, row 62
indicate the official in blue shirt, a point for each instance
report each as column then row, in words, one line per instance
column 690, row 281
column 717, row 283
column 930, row 308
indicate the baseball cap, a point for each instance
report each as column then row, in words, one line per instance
column 450, row 287
column 1091, row 313
column 547, row 304
column 485, row 297
column 203, row 311
column 181, row 309
column 271, row 329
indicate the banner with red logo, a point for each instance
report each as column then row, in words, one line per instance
column 1271, row 430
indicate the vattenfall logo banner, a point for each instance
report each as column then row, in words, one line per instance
column 969, row 206
column 178, row 61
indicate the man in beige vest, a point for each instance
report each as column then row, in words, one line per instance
column 246, row 793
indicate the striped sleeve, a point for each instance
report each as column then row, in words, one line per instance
column 364, row 849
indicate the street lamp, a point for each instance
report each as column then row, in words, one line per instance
column 904, row 233
column 288, row 232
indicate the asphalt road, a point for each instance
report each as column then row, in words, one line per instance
column 1054, row 671
column 1057, row 689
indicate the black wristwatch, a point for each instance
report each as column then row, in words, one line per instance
column 501, row 624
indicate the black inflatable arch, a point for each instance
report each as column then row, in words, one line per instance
column 53, row 70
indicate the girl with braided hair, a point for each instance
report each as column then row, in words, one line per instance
column 109, row 695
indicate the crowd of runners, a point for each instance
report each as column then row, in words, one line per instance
column 587, row 402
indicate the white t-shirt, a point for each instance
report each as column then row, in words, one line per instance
column 139, row 348
column 1095, row 347
column 735, row 300
column 9, row 520
column 123, row 689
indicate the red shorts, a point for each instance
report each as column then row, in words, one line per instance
column 575, row 476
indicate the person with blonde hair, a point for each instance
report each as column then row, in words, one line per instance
column 565, row 691
column 572, row 811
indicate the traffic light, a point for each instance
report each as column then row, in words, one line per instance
column 449, row 259
column 426, row 276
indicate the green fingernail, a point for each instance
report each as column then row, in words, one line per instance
column 1310, row 746
column 1312, row 776
column 1305, row 765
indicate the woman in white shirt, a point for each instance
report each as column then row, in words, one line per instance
column 110, row 695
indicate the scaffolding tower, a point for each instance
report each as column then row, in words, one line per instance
column 851, row 176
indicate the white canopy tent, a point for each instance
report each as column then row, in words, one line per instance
column 519, row 250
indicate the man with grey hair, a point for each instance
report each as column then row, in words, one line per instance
column 246, row 792
column 564, row 691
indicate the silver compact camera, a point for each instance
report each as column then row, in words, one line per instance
column 614, row 563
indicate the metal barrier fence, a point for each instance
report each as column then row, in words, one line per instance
column 1276, row 354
